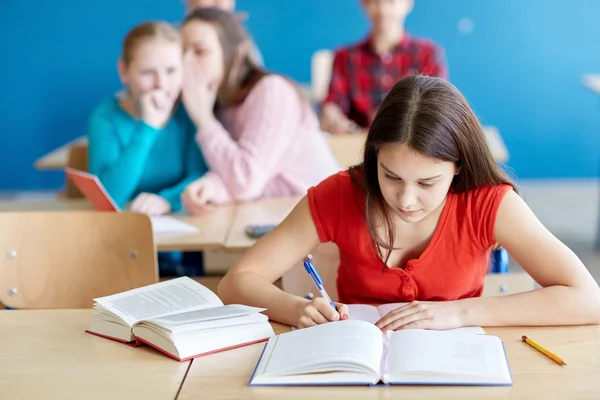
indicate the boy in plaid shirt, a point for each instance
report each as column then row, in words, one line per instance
column 364, row 72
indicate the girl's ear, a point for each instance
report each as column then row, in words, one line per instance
column 122, row 70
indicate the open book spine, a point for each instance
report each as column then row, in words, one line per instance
column 135, row 343
column 142, row 341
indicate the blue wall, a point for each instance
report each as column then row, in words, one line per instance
column 520, row 68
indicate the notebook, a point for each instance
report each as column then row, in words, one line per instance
column 179, row 317
column 93, row 190
column 354, row 352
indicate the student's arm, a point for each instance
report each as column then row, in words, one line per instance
column 195, row 168
column 336, row 105
column 250, row 280
column 268, row 122
column 569, row 295
column 118, row 167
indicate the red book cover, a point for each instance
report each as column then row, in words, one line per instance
column 140, row 342
column 93, row 190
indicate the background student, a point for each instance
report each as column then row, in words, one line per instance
column 415, row 223
column 229, row 6
column 258, row 133
column 141, row 143
column 363, row 73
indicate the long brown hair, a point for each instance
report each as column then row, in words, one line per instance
column 241, row 72
column 433, row 118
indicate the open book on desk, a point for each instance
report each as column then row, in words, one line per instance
column 94, row 191
column 358, row 353
column 179, row 317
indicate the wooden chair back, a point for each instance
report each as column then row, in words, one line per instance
column 66, row 259
column 78, row 159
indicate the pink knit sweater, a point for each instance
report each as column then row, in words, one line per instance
column 270, row 145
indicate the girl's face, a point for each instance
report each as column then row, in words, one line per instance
column 155, row 64
column 202, row 40
column 386, row 14
column 412, row 185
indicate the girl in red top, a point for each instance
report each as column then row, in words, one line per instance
column 416, row 223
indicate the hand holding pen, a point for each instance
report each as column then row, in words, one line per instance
column 321, row 309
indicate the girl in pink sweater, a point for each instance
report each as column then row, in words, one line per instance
column 258, row 134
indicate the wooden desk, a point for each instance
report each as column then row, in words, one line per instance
column 264, row 211
column 57, row 158
column 213, row 226
column 47, row 355
column 226, row 375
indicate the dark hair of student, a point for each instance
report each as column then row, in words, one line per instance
column 433, row 118
column 241, row 72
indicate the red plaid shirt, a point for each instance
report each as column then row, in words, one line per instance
column 361, row 78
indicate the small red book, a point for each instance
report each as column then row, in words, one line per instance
column 92, row 189
column 180, row 318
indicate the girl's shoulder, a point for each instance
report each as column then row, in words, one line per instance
column 109, row 109
column 483, row 197
column 272, row 85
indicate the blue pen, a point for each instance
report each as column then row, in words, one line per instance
column 312, row 271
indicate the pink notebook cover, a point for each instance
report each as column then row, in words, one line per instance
column 93, row 190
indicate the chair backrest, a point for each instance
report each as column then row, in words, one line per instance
column 78, row 159
column 66, row 259
column 320, row 73
column 347, row 148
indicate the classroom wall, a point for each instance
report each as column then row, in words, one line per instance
column 520, row 68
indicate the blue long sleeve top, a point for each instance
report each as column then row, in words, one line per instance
column 130, row 157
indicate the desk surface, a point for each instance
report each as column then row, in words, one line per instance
column 47, row 355
column 226, row 375
column 213, row 227
column 263, row 211
column 57, row 159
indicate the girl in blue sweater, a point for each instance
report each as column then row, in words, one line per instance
column 141, row 142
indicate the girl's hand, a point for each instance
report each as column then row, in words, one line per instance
column 198, row 94
column 439, row 315
column 318, row 311
column 155, row 108
column 151, row 204
column 197, row 195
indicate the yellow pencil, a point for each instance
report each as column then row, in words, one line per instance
column 544, row 351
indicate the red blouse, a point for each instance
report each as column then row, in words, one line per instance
column 453, row 265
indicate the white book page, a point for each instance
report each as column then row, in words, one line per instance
column 384, row 309
column 207, row 314
column 168, row 225
column 164, row 298
column 363, row 312
column 351, row 346
column 424, row 355
column 210, row 325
